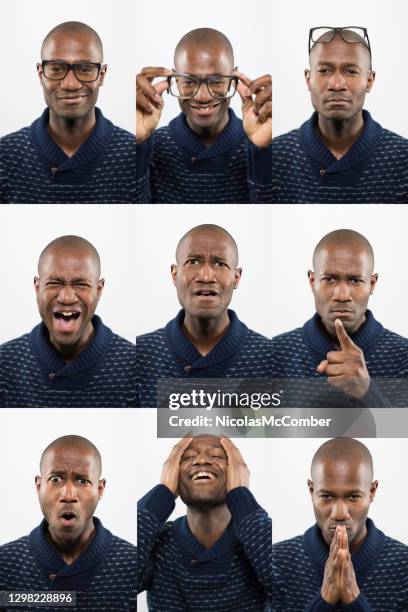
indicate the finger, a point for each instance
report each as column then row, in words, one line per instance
column 335, row 369
column 336, row 357
column 344, row 339
column 246, row 96
column 150, row 91
column 263, row 97
column 230, row 447
column 244, row 79
column 179, row 448
column 263, row 82
column 265, row 112
column 321, row 368
column 144, row 104
column 156, row 71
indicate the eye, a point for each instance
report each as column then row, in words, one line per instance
column 325, row 496
column 186, row 458
column 83, row 481
column 328, row 279
column 55, row 479
column 221, row 264
column 193, row 261
column 352, row 71
column 322, row 70
column 355, row 497
column 217, row 457
column 53, row 284
column 82, row 285
column 356, row 281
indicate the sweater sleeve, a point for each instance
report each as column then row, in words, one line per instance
column 260, row 174
column 144, row 152
column 152, row 512
column 253, row 529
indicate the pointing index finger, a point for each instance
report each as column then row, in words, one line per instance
column 343, row 337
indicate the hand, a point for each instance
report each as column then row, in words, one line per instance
column 171, row 467
column 237, row 471
column 330, row 590
column 149, row 101
column 349, row 590
column 256, row 113
column 346, row 368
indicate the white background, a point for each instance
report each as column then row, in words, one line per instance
column 386, row 23
column 26, row 229
column 26, row 433
column 275, row 246
column 279, row 472
column 24, row 26
column 162, row 24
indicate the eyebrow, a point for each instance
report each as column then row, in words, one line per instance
column 61, row 279
column 343, row 64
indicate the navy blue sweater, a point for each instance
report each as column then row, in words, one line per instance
column 103, row 576
column 374, row 170
column 174, row 166
column 168, row 353
column 181, row 575
column 33, row 373
column 33, row 168
column 380, row 565
column 298, row 353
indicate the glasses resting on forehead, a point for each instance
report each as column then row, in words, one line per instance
column 350, row 34
column 84, row 71
column 186, row 86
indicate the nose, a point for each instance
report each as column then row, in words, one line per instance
column 70, row 82
column 340, row 511
column 337, row 82
column 342, row 292
column 203, row 95
column 67, row 295
column 68, row 492
column 205, row 274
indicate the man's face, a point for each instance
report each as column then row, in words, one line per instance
column 339, row 78
column 69, row 490
column 70, row 98
column 341, row 493
column 68, row 290
column 206, row 274
column 203, row 472
column 342, row 283
column 204, row 111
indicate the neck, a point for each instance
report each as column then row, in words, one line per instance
column 208, row 524
column 204, row 334
column 69, row 352
column 70, row 134
column 339, row 136
column 70, row 550
column 209, row 134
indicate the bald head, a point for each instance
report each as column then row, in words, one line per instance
column 344, row 239
column 74, row 29
column 70, row 245
column 344, row 451
column 212, row 229
column 73, row 444
column 203, row 38
column 352, row 38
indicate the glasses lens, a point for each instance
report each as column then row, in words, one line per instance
column 322, row 35
column 221, row 87
column 86, row 72
column 353, row 34
column 55, row 70
column 183, row 86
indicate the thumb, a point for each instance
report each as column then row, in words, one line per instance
column 161, row 87
column 344, row 339
column 322, row 366
column 244, row 91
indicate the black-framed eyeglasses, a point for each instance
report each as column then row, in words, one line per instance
column 350, row 34
column 186, row 86
column 84, row 71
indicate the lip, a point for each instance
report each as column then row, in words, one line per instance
column 194, row 472
column 341, row 313
column 204, row 110
column 72, row 99
column 66, row 326
column 339, row 101
column 68, row 522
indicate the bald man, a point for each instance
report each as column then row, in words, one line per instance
column 218, row 556
column 206, row 339
column 71, row 550
column 343, row 342
column 340, row 155
column 343, row 562
column 71, row 154
column 205, row 154
column 71, row 359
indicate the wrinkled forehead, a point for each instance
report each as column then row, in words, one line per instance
column 338, row 51
column 341, row 474
column 205, row 444
column 72, row 47
column 68, row 264
column 69, row 459
column 207, row 243
column 203, row 60
column 344, row 259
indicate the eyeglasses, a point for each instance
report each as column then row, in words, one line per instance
column 84, row 71
column 186, row 86
column 350, row 34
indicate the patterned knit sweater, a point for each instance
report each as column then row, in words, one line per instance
column 33, row 168
column 168, row 353
column 33, row 373
column 174, row 166
column 181, row 575
column 103, row 576
column 373, row 171
column 380, row 565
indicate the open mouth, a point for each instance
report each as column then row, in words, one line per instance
column 206, row 293
column 204, row 109
column 66, row 320
column 68, row 518
column 203, row 476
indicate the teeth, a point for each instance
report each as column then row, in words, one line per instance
column 203, row 475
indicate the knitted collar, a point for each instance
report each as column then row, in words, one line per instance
column 319, row 341
column 189, row 141
column 186, row 353
column 225, row 544
column 51, row 154
column 318, row 550
column 49, row 558
column 51, row 361
column 320, row 156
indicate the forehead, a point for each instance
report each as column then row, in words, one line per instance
column 69, row 459
column 207, row 242
column 68, row 263
column 350, row 260
column 205, row 443
column 203, row 60
column 71, row 47
column 340, row 52
column 341, row 474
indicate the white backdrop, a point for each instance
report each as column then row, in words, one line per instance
column 279, row 472
column 289, row 30
column 26, row 229
column 275, row 245
column 27, row 432
column 24, row 26
column 162, row 24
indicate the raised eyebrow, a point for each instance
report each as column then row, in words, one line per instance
column 342, row 64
